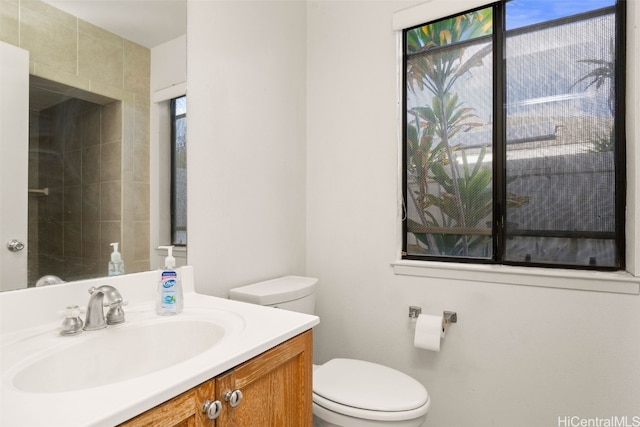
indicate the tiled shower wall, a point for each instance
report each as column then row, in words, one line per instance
column 67, row 50
column 80, row 165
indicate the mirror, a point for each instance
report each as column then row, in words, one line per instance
column 91, row 83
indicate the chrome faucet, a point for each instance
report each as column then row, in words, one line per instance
column 95, row 314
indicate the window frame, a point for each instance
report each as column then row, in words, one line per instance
column 173, row 190
column 499, row 35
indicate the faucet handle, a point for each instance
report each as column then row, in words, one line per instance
column 115, row 304
column 72, row 323
column 72, row 311
column 115, row 314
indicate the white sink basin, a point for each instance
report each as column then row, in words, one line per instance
column 118, row 353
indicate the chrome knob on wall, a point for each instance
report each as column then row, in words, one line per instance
column 15, row 245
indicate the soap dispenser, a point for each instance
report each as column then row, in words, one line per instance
column 170, row 298
column 116, row 265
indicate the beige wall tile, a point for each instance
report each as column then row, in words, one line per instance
column 49, row 72
column 91, row 165
column 93, row 268
column 109, row 91
column 110, row 161
column 46, row 10
column 72, row 233
column 137, row 68
column 110, row 232
column 106, row 37
column 72, row 166
column 128, row 197
column 91, row 202
column 100, row 60
column 72, row 203
column 142, row 121
column 128, row 244
column 49, row 35
column 138, row 266
column 110, row 201
column 91, row 125
column 9, row 22
column 67, row 126
column 112, row 122
column 141, row 201
column 91, row 240
column 141, row 163
column 128, row 135
column 141, row 239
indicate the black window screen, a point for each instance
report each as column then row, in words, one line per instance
column 179, row 171
column 514, row 136
column 560, row 142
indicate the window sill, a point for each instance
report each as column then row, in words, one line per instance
column 597, row 281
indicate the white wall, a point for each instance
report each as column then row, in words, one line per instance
column 246, row 152
column 519, row 356
column 168, row 81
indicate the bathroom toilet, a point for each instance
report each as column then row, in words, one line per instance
column 346, row 392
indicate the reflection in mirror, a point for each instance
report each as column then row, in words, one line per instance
column 89, row 137
column 74, row 180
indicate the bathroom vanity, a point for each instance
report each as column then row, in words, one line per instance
column 275, row 389
column 218, row 363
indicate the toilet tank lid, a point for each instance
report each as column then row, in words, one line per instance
column 275, row 291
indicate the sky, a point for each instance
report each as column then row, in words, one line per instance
column 526, row 12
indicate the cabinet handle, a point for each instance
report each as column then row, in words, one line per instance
column 233, row 397
column 212, row 409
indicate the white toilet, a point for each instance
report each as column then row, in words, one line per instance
column 346, row 392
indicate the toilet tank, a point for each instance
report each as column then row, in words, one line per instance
column 295, row 293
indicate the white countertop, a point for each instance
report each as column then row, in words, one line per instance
column 252, row 330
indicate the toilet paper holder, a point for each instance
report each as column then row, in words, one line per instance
column 414, row 312
column 447, row 316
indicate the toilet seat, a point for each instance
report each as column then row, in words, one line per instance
column 366, row 390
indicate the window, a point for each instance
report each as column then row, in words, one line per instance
column 514, row 149
column 179, row 171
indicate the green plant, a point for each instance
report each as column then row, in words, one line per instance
column 602, row 143
column 436, row 67
column 476, row 194
column 474, row 202
column 602, row 75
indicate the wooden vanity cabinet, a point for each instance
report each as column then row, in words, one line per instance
column 276, row 389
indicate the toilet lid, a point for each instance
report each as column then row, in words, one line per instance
column 368, row 386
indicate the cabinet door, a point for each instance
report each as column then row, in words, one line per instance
column 276, row 387
column 181, row 411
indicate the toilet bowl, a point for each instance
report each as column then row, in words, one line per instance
column 346, row 392
column 357, row 393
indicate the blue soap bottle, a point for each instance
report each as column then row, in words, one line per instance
column 170, row 297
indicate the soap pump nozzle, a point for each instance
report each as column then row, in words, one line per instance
column 115, row 255
column 169, row 261
column 116, row 265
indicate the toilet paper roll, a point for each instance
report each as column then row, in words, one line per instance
column 428, row 333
